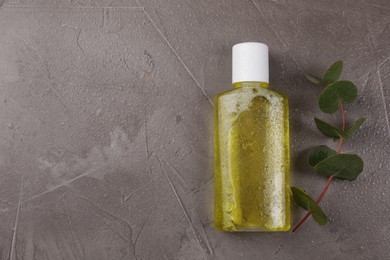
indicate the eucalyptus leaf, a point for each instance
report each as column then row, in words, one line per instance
column 342, row 166
column 314, row 79
column 333, row 73
column 358, row 123
column 332, row 95
column 319, row 153
column 305, row 201
column 330, row 130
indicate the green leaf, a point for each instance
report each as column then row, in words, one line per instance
column 330, row 130
column 314, row 79
column 305, row 201
column 319, row 153
column 342, row 166
column 358, row 123
column 333, row 73
column 332, row 95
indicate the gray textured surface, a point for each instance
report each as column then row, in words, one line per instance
column 106, row 125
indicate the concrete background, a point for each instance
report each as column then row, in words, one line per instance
column 106, row 119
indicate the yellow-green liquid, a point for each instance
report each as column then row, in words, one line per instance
column 252, row 159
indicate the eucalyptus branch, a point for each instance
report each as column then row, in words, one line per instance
column 325, row 161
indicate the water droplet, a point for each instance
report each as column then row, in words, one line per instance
column 98, row 112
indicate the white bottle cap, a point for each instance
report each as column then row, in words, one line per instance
column 250, row 62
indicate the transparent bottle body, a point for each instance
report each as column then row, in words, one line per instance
column 252, row 159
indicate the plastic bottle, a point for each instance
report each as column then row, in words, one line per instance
column 251, row 148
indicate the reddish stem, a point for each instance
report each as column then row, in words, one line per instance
column 324, row 190
column 343, row 117
column 340, row 145
column 300, row 223
column 342, row 113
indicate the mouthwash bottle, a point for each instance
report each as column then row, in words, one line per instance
column 251, row 148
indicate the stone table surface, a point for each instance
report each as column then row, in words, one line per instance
column 106, row 125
